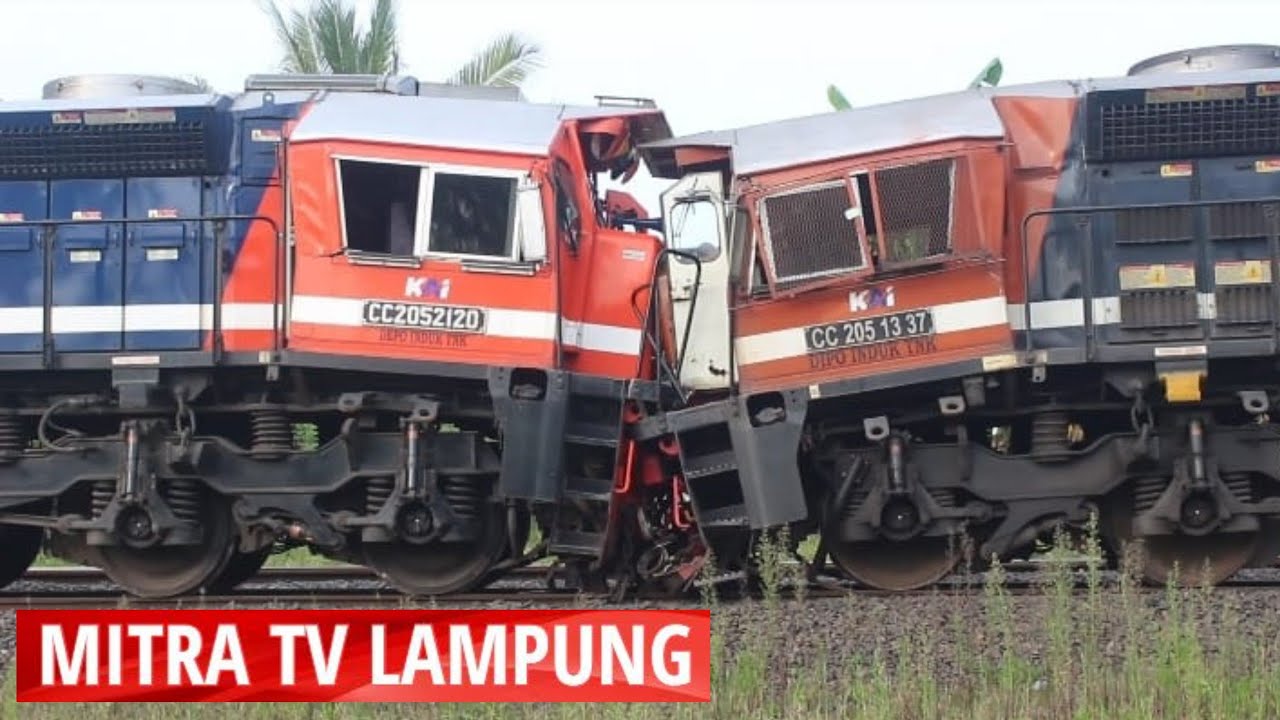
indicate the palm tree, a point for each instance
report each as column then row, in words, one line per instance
column 325, row 38
column 989, row 77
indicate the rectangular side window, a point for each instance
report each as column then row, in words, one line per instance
column 379, row 206
column 915, row 210
column 472, row 215
column 812, row 232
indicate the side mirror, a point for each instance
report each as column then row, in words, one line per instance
column 531, row 225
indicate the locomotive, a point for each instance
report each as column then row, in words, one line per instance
column 949, row 326
column 390, row 320
column 403, row 323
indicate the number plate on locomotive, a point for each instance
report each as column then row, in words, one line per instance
column 868, row 331
column 423, row 316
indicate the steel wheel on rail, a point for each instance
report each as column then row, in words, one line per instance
column 20, row 546
column 158, row 571
column 440, row 568
column 896, row 565
column 1198, row 559
column 241, row 567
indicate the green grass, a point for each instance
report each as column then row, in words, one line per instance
column 1108, row 651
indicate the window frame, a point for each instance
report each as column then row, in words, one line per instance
column 766, row 237
column 426, row 202
column 881, row 236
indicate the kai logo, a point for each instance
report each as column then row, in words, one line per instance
column 861, row 300
column 420, row 287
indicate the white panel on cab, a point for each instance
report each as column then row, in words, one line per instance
column 693, row 211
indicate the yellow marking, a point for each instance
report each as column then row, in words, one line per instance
column 1140, row 277
column 1242, row 272
column 1176, row 170
column 991, row 363
column 1182, row 386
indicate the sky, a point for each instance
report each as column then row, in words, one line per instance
column 709, row 64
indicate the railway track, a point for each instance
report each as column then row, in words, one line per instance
column 314, row 587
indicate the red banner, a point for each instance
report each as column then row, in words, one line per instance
column 364, row 655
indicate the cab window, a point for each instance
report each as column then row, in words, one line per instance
column 407, row 210
column 695, row 229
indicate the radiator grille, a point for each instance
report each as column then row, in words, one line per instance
column 1155, row 225
column 1126, row 127
column 810, row 234
column 1163, row 308
column 915, row 209
column 1237, row 220
column 1243, row 304
column 49, row 151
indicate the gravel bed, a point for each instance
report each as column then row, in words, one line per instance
column 838, row 631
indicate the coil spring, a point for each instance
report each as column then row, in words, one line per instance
column 100, row 495
column 856, row 498
column 184, row 498
column 944, row 497
column 466, row 496
column 1146, row 491
column 1241, row 487
column 11, row 437
column 272, row 433
column 377, row 491
column 1049, row 436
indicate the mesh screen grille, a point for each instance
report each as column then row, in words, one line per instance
column 46, row 151
column 1125, row 127
column 915, row 210
column 809, row 234
column 1237, row 220
column 1155, row 224
column 1243, row 304
column 1170, row 307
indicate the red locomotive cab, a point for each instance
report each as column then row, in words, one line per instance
column 458, row 232
column 871, row 251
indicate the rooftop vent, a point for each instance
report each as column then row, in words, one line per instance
column 1218, row 58
column 111, row 86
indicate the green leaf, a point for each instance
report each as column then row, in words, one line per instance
column 505, row 62
column 837, row 98
column 990, row 75
column 325, row 36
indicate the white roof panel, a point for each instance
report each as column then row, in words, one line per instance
column 463, row 123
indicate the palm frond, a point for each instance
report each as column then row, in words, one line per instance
column 990, row 75
column 378, row 46
column 837, row 98
column 295, row 35
column 334, row 24
column 505, row 62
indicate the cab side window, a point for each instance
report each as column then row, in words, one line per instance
column 472, row 215
column 408, row 210
column 379, row 206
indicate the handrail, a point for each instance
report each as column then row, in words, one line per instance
column 49, row 227
column 1088, row 265
column 653, row 336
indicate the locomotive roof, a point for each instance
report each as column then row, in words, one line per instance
column 487, row 125
column 111, row 103
column 966, row 114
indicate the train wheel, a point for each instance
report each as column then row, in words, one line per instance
column 21, row 546
column 241, row 567
column 897, row 565
column 1200, row 560
column 168, row 570
column 439, row 568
